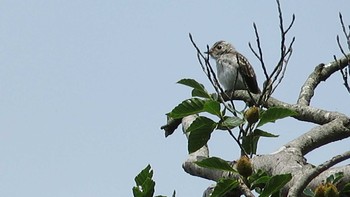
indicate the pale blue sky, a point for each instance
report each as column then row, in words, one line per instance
column 84, row 86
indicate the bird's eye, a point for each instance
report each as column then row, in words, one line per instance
column 219, row 47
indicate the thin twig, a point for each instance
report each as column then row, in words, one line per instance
column 344, row 71
column 291, row 24
column 286, row 58
column 265, row 90
column 344, row 74
column 347, row 35
column 284, row 50
column 260, row 57
column 289, row 54
column 340, row 47
column 275, row 78
column 237, row 141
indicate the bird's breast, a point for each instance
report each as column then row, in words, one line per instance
column 228, row 76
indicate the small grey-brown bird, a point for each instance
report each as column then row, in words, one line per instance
column 233, row 69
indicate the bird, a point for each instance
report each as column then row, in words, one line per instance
column 233, row 69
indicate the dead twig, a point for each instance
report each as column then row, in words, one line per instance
column 273, row 79
column 345, row 71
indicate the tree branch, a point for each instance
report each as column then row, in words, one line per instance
column 305, row 113
column 321, row 73
column 335, row 130
column 299, row 186
column 333, row 125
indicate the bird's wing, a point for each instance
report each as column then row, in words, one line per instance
column 247, row 73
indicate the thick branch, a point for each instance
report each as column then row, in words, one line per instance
column 324, row 175
column 305, row 113
column 318, row 136
column 303, row 181
column 333, row 125
column 290, row 160
column 321, row 73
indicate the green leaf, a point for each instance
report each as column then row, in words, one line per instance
column 262, row 133
column 250, row 143
column 146, row 190
column 260, row 181
column 143, row 175
column 257, row 175
column 144, row 183
column 212, row 107
column 200, row 131
column 215, row 163
column 309, row 192
column 230, row 122
column 274, row 113
column 200, row 93
column 198, row 89
column 187, row 107
column 224, row 186
column 276, row 194
column 330, row 179
column 275, row 184
column 137, row 192
column 346, row 189
column 192, row 83
column 337, row 177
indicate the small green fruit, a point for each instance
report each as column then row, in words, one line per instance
column 252, row 115
column 244, row 166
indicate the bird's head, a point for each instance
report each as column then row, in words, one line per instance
column 219, row 48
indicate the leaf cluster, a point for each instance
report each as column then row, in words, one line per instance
column 259, row 181
column 202, row 127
